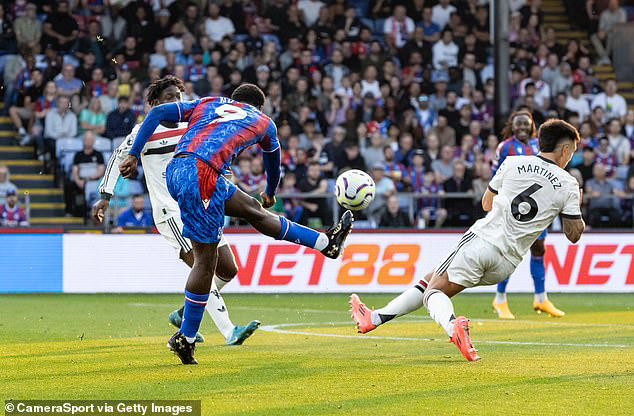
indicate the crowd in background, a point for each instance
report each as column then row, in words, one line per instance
column 401, row 89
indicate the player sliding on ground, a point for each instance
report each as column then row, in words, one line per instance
column 524, row 197
column 156, row 154
column 219, row 129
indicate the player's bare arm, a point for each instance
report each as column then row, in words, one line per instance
column 487, row 200
column 573, row 228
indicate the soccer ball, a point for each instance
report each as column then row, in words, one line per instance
column 355, row 189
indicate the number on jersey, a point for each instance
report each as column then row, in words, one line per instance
column 525, row 196
column 228, row 112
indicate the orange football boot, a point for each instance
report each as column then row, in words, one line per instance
column 462, row 339
column 361, row 315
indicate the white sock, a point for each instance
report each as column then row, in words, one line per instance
column 440, row 309
column 190, row 339
column 500, row 297
column 541, row 297
column 219, row 283
column 406, row 302
column 322, row 242
column 218, row 312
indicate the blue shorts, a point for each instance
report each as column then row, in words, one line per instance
column 201, row 193
column 543, row 235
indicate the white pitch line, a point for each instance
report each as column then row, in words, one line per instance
column 418, row 317
column 276, row 329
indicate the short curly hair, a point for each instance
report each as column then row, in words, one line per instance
column 155, row 89
column 250, row 94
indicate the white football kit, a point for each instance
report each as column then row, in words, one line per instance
column 531, row 192
column 155, row 156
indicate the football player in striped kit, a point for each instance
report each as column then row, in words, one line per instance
column 156, row 155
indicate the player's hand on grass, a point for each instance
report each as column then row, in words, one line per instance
column 267, row 201
column 128, row 166
column 99, row 209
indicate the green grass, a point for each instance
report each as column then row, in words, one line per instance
column 113, row 347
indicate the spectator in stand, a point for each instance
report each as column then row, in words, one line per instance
column 398, row 28
column 602, row 198
column 612, row 103
column 28, row 30
column 414, row 174
column 292, row 209
column 351, row 159
column 605, row 156
column 443, row 168
column 92, row 118
column 576, row 102
column 460, row 209
column 373, row 152
column 426, row 116
column 441, row 12
column 618, row 143
column 60, row 28
column 384, row 188
column 603, row 39
column 121, row 121
column 628, row 127
column 59, row 123
column 217, row 26
column 23, row 112
column 136, row 215
column 586, row 168
column 542, row 90
column 431, row 203
column 314, row 183
column 11, row 213
column 393, row 217
column 88, row 165
column 109, row 100
column 445, row 52
column 393, row 169
column 5, row 183
column 563, row 81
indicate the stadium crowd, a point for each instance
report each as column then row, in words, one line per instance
column 401, row 89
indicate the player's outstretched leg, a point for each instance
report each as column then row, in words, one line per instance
column 330, row 244
column 500, row 304
column 366, row 320
column 226, row 270
column 440, row 308
column 541, row 303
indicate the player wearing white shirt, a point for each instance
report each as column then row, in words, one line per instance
column 156, row 154
column 523, row 198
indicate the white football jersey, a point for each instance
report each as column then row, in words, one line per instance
column 155, row 156
column 531, row 192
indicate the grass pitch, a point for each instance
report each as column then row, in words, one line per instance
column 308, row 360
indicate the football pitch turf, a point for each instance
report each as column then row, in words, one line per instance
column 307, row 358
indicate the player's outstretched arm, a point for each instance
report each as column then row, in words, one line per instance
column 487, row 199
column 271, row 161
column 573, row 228
column 163, row 112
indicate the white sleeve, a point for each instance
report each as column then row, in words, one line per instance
column 572, row 202
column 111, row 176
column 496, row 181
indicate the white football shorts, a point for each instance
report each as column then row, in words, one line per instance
column 172, row 230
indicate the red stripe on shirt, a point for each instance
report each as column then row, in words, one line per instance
column 167, row 134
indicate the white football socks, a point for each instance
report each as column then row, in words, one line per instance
column 218, row 311
column 406, row 302
column 440, row 309
column 500, row 297
column 322, row 242
column 541, row 297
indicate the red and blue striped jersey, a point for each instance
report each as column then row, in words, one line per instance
column 220, row 128
column 514, row 147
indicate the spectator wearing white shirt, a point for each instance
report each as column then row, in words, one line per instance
column 563, row 82
column 369, row 83
column 441, row 12
column 445, row 52
column 216, row 26
column 612, row 103
column 310, row 8
column 398, row 28
column 542, row 90
column 602, row 40
column 59, row 123
column 577, row 102
column 619, row 144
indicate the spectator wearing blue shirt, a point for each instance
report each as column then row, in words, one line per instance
column 135, row 216
column 121, row 121
column 431, row 30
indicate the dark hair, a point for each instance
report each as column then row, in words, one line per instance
column 250, row 94
column 138, row 196
column 155, row 89
column 555, row 131
column 123, row 98
column 507, row 131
